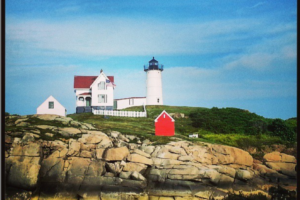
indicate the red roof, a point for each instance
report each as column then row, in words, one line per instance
column 86, row 93
column 87, row 81
column 111, row 78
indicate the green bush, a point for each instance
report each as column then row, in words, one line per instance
column 229, row 120
column 279, row 128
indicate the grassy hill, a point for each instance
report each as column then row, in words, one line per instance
column 229, row 126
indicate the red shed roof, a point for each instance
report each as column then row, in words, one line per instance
column 164, row 112
column 87, row 81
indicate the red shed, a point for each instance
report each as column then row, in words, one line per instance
column 164, row 125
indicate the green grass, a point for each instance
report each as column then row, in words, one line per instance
column 144, row 128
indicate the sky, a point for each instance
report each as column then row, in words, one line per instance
column 237, row 53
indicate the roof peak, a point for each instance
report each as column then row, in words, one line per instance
column 153, row 60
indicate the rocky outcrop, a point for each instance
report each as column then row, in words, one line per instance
column 282, row 163
column 86, row 160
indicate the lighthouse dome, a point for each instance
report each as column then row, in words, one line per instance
column 153, row 65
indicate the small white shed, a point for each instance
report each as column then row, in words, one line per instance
column 51, row 106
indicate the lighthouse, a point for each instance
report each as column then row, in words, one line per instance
column 154, row 83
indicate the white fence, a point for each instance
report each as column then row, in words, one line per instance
column 120, row 113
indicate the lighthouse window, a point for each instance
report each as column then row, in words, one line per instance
column 155, row 63
column 80, row 98
column 157, row 100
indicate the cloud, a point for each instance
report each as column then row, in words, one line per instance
column 258, row 4
column 201, row 85
column 104, row 36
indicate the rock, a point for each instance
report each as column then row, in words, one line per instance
column 146, row 142
column 123, row 138
column 227, row 171
column 186, row 169
column 96, row 169
column 165, row 162
column 18, row 121
column 63, row 120
column 109, row 174
column 130, row 137
column 185, row 158
column 177, row 150
column 244, row 174
column 115, row 154
column 23, row 172
column 272, row 157
column 45, row 127
column 68, row 131
column 159, row 175
column 164, row 153
column 94, row 137
column 28, row 137
column 148, row 149
column 137, row 176
column 262, row 169
column 125, row 175
column 285, row 168
column 133, row 183
column 31, row 149
column 74, row 148
column 115, row 167
column 132, row 146
column 57, row 145
column 204, row 194
column 137, row 151
column 288, row 158
column 23, row 124
column 49, row 134
column 86, row 154
column 177, row 115
column 77, row 169
column 52, row 167
column 75, row 123
column 99, row 153
column 8, row 139
column 139, row 159
column 114, row 134
column 239, row 156
column 130, row 166
column 46, row 116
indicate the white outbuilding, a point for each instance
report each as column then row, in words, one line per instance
column 51, row 106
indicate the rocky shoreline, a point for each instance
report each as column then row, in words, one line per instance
column 89, row 164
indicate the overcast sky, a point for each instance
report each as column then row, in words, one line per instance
column 237, row 53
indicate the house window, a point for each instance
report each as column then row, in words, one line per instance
column 130, row 101
column 51, row 105
column 81, row 99
column 101, row 85
column 102, row 98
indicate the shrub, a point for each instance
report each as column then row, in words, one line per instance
column 279, row 128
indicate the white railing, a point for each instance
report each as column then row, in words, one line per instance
column 120, row 113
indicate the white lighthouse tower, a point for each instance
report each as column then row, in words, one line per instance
column 154, row 83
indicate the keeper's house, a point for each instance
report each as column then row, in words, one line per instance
column 95, row 92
